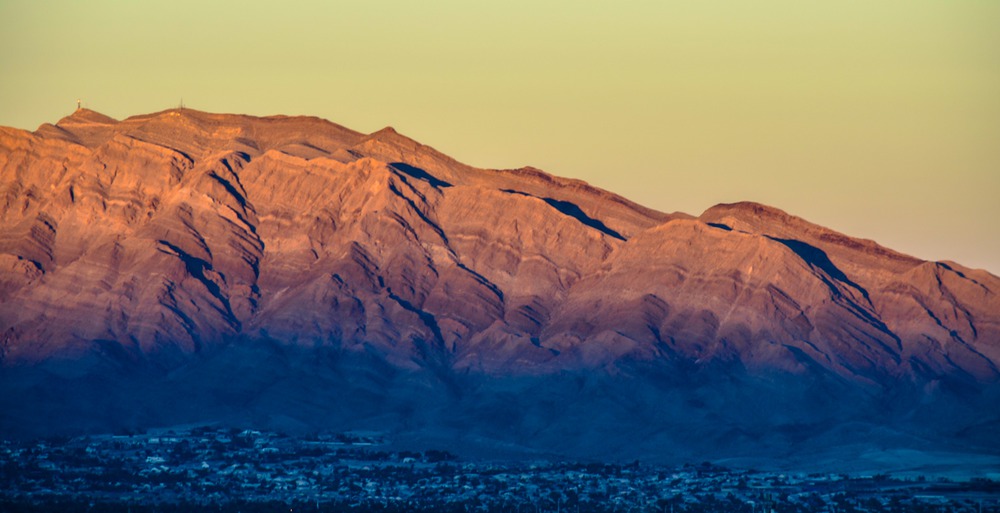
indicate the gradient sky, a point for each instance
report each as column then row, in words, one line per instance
column 879, row 119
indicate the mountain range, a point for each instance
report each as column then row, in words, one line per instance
column 287, row 272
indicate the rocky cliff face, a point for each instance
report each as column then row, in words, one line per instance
column 185, row 266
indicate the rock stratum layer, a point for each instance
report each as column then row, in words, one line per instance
column 286, row 271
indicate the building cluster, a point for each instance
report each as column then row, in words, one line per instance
column 230, row 470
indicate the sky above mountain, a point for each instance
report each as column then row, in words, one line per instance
column 876, row 119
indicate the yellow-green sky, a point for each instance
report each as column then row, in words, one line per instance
column 878, row 118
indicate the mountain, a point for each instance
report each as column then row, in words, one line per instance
column 288, row 272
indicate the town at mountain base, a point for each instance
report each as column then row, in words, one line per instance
column 289, row 273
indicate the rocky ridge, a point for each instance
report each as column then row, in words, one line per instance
column 156, row 249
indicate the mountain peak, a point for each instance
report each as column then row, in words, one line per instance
column 757, row 218
column 385, row 131
column 86, row 116
column 389, row 135
column 746, row 210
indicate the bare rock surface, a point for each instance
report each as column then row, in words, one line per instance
column 186, row 266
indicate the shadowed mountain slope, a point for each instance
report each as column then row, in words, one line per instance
column 286, row 271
